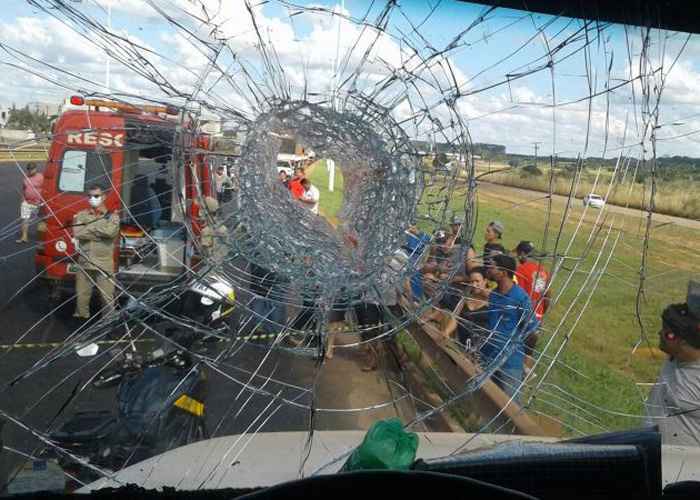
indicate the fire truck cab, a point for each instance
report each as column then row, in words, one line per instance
column 153, row 170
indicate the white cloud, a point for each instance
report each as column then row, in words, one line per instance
column 306, row 47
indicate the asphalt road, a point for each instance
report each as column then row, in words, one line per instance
column 523, row 195
column 38, row 399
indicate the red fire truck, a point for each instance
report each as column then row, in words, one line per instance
column 155, row 172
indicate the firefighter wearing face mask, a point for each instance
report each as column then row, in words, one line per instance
column 95, row 230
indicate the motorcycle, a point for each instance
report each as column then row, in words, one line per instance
column 160, row 401
column 160, row 395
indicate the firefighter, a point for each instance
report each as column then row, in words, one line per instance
column 214, row 233
column 96, row 231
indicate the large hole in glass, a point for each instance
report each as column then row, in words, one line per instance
column 362, row 222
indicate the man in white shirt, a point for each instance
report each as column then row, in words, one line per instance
column 311, row 196
column 674, row 402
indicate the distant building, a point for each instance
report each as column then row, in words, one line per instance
column 49, row 109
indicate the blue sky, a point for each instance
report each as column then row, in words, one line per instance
column 512, row 111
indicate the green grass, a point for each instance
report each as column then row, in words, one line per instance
column 330, row 202
column 601, row 341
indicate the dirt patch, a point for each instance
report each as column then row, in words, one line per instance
column 343, row 385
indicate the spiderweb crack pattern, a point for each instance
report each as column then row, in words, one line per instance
column 397, row 99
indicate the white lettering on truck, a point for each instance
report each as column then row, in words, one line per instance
column 105, row 139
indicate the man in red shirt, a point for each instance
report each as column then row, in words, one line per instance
column 31, row 200
column 295, row 184
column 534, row 279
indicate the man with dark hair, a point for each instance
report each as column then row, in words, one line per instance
column 283, row 178
column 311, row 196
column 493, row 249
column 510, row 320
column 674, row 402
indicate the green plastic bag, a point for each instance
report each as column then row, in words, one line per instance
column 386, row 446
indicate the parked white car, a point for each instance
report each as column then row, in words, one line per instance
column 286, row 167
column 593, row 200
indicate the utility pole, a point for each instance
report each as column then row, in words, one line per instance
column 536, row 145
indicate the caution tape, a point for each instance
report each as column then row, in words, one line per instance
column 45, row 345
column 26, row 345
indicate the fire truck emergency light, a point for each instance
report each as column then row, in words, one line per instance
column 77, row 100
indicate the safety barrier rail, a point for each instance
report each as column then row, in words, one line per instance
column 455, row 368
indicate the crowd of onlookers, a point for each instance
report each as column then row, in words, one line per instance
column 300, row 187
column 491, row 302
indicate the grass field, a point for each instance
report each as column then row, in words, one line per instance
column 595, row 383
column 330, row 202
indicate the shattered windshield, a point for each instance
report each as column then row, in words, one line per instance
column 239, row 235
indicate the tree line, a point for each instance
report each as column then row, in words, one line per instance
column 27, row 119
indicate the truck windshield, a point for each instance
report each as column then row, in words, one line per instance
column 80, row 169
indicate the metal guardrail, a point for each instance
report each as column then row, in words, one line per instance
column 458, row 368
column 455, row 369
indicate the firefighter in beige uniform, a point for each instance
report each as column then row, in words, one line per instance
column 213, row 235
column 96, row 231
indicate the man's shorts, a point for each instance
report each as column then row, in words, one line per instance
column 27, row 210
